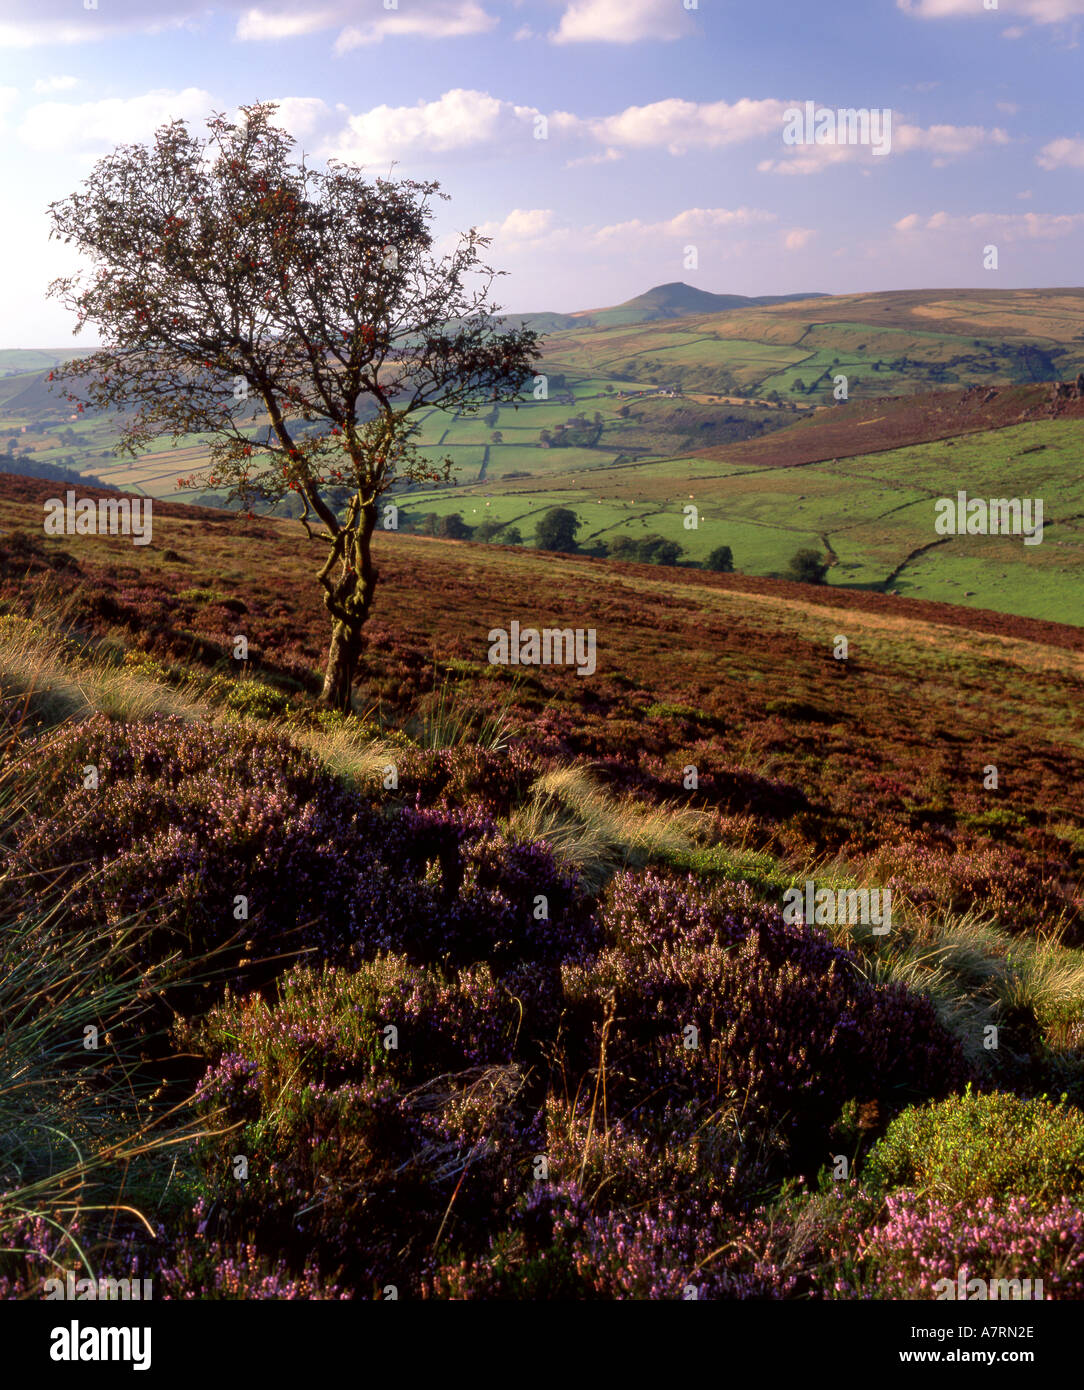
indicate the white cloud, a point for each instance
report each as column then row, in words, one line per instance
column 255, row 24
column 530, row 232
column 55, row 125
column 27, row 23
column 427, row 19
column 701, row 222
column 608, row 156
column 458, row 120
column 943, row 142
column 44, row 85
column 1008, row 226
column 301, row 115
column 1065, row 153
column 946, row 142
column 622, row 21
column 1009, row 107
column 1038, row 11
column 520, row 225
column 798, row 237
column 683, row 125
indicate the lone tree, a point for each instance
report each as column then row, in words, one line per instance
column 556, row 530
column 721, row 560
column 239, row 290
column 807, row 567
column 453, row 528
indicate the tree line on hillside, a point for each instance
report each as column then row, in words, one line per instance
column 556, row 530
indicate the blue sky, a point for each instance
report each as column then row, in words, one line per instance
column 663, row 157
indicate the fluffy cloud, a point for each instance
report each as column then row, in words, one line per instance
column 798, row 237
column 622, row 21
column 56, row 125
column 459, row 120
column 427, row 19
column 521, row 224
column 1062, row 154
column 258, row 24
column 681, row 125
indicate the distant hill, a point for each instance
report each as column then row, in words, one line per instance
column 672, row 301
column 51, row 472
column 13, row 360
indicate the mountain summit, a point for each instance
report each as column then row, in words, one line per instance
column 671, row 301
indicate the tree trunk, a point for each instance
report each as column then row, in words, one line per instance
column 350, row 602
column 342, row 663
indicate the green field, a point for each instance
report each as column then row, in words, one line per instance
column 873, row 512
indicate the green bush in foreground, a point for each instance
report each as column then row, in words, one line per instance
column 972, row 1146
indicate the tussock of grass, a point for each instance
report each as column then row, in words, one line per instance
column 348, row 754
column 595, row 833
column 61, row 678
column 71, row 1151
column 450, row 721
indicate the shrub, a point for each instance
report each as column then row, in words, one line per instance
column 973, row 1146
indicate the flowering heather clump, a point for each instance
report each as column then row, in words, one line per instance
column 185, row 819
column 782, row 1018
column 483, row 891
column 556, row 1247
column 330, row 1025
column 195, row 1267
column 922, row 1241
column 645, row 912
column 355, row 1145
column 469, row 774
column 1022, row 891
column 34, row 1249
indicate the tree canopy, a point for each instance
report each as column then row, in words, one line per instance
column 247, row 296
column 556, row 529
